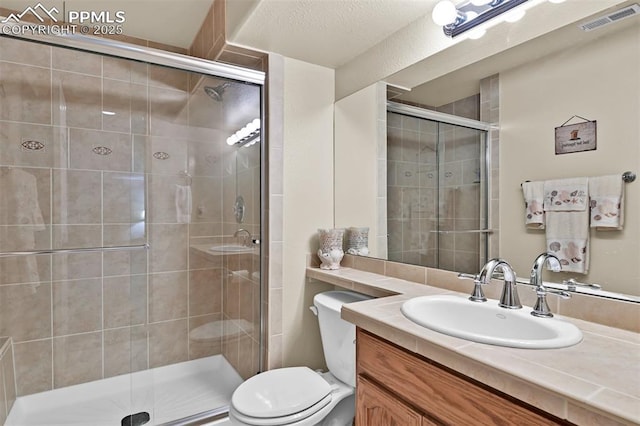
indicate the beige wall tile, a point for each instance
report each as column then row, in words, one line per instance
column 76, row 61
column 168, row 343
column 12, row 135
column 205, row 158
column 169, row 78
column 27, row 93
column 25, row 196
column 77, row 197
column 167, row 112
column 168, row 297
column 125, row 350
column 124, row 235
column 24, row 237
column 125, row 300
column 205, row 335
column 76, row 236
column 33, row 366
column 123, row 195
column 77, row 359
column 406, row 272
column 76, row 265
column 25, row 311
column 117, row 98
column 77, row 306
column 205, row 291
column 81, row 96
column 162, row 196
column 206, row 196
column 82, row 143
column 24, row 269
column 24, row 52
column 124, row 70
column 176, row 149
column 124, row 262
column 168, row 250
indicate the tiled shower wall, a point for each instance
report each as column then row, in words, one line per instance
column 81, row 317
column 414, row 211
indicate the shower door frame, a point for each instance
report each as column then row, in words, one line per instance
column 118, row 49
column 485, row 154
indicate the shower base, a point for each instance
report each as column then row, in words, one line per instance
column 166, row 393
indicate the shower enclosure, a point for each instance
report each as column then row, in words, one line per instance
column 124, row 294
column 437, row 189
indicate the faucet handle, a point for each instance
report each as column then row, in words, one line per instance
column 478, row 294
column 541, row 308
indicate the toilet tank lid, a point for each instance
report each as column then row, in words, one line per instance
column 335, row 299
column 280, row 392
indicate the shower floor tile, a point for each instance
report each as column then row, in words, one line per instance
column 166, row 393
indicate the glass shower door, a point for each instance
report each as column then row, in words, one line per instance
column 116, row 183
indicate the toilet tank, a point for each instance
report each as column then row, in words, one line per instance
column 338, row 335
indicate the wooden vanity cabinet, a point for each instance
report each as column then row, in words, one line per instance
column 397, row 387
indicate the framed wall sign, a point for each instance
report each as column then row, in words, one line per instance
column 576, row 137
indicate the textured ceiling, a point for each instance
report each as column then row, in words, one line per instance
column 173, row 22
column 326, row 32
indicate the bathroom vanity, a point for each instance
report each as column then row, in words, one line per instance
column 411, row 375
column 396, row 387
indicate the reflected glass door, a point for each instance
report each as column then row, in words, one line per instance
column 436, row 182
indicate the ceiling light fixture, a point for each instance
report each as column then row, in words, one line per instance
column 455, row 20
column 247, row 136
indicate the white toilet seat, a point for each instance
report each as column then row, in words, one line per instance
column 310, row 415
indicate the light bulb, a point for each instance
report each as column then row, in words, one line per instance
column 444, row 13
column 514, row 15
column 480, row 2
column 231, row 140
column 256, row 123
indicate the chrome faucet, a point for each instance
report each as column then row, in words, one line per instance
column 245, row 240
column 509, row 298
column 541, row 308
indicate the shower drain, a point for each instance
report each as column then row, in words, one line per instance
column 137, row 419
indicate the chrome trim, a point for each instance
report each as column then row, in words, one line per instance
column 201, row 418
column 467, row 231
column 73, row 250
column 140, row 53
column 438, row 116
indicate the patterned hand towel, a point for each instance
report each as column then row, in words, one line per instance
column 607, row 202
column 533, row 199
column 566, row 195
column 567, row 236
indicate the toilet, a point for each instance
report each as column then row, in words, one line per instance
column 299, row 396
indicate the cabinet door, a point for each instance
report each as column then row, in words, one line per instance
column 376, row 407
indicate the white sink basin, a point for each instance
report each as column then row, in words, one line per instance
column 231, row 248
column 488, row 323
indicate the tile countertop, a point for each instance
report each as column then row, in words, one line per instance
column 596, row 382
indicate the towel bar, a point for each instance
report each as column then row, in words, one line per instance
column 627, row 177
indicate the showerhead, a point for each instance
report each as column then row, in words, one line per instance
column 216, row 92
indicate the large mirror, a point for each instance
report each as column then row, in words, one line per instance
column 526, row 91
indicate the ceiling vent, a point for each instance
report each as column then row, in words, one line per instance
column 611, row 18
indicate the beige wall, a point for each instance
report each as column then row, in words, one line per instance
column 360, row 166
column 308, row 200
column 598, row 81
